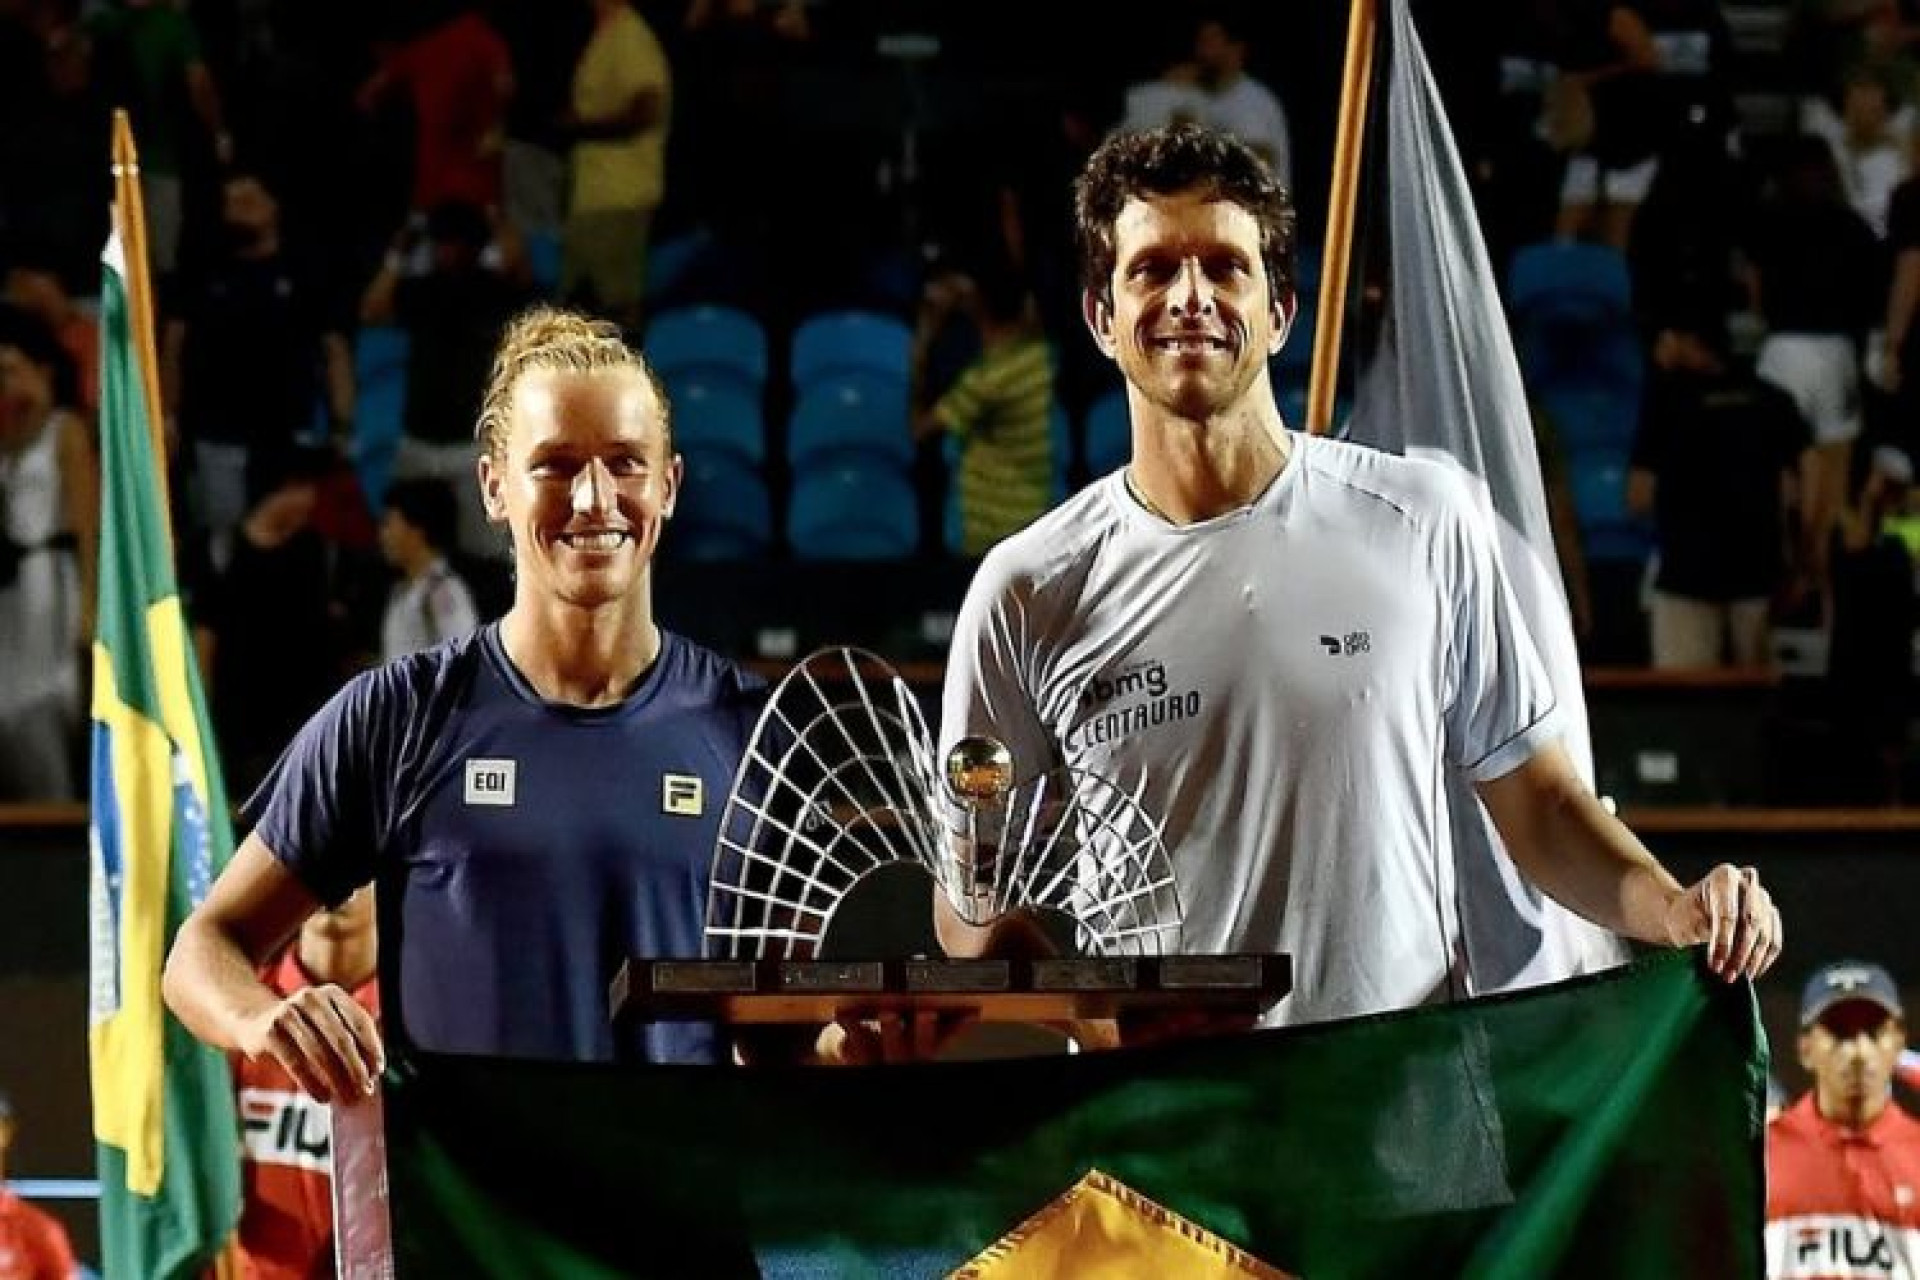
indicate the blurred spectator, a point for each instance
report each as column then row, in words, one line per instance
column 458, row 77
column 1835, row 40
column 1633, row 74
column 54, row 189
column 545, row 40
column 1690, row 235
column 1875, row 613
column 1844, row 1160
column 1899, row 353
column 1173, row 96
column 737, row 53
column 1211, row 86
column 430, row 603
column 997, row 409
column 1234, row 102
column 1870, row 138
column 254, row 340
column 1818, row 304
column 49, row 511
column 1517, row 172
column 451, row 281
column 269, row 623
column 146, row 56
column 33, row 1244
column 618, row 123
column 286, row 1161
column 1713, row 464
column 34, row 284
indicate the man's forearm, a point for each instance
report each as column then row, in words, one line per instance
column 1564, row 841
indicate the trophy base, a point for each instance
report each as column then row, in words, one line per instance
column 1046, row 990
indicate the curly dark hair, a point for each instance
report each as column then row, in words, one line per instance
column 1173, row 158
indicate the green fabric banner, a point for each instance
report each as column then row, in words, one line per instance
column 1608, row 1126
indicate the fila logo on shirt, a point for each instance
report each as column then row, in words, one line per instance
column 683, row 794
column 1841, row 1246
column 490, row 782
column 286, row 1127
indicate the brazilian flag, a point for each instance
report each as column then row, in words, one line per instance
column 1607, row 1126
column 163, row 1110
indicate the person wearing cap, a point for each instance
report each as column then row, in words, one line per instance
column 1843, row 1162
column 33, row 1244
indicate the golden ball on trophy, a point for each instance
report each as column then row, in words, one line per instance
column 979, row 770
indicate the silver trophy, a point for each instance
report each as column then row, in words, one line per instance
column 840, row 783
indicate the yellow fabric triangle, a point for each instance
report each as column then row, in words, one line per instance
column 1102, row 1229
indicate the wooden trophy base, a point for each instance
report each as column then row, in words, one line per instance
column 1018, row 990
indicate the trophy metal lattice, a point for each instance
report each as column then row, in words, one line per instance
column 839, row 782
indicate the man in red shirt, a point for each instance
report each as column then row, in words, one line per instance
column 33, row 1244
column 458, row 77
column 286, row 1222
column 1843, row 1163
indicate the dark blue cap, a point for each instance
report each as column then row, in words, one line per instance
column 1846, row 980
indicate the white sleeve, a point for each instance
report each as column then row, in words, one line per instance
column 988, row 689
column 1500, row 709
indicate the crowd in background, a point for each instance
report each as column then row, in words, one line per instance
column 316, row 180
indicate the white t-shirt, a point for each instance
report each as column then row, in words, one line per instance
column 1285, row 684
column 423, row 611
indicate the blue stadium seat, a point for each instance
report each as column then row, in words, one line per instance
column 1565, row 276
column 670, row 262
column 708, row 340
column 850, row 416
column 1108, row 433
column 851, row 512
column 1591, row 419
column 543, row 261
column 1572, row 318
column 717, row 415
column 724, row 512
column 1296, row 357
column 380, row 403
column 867, row 343
column 1607, row 530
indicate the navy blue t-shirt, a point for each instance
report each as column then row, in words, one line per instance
column 522, row 849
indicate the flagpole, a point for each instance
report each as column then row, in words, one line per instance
column 1355, row 81
column 130, row 221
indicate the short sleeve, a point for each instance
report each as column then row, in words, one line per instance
column 321, row 809
column 987, row 690
column 1500, row 708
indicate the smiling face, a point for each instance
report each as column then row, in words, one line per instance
column 1190, row 315
column 585, row 479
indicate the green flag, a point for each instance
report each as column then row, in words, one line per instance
column 1606, row 1126
column 163, row 1110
